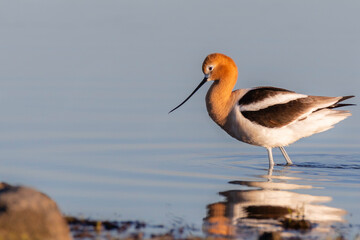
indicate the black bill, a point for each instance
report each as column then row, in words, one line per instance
column 197, row 88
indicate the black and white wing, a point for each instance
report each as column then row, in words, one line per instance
column 276, row 107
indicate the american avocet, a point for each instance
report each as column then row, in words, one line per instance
column 264, row 116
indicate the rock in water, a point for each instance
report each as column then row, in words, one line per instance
column 29, row 214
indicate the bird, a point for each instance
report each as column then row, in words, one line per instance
column 268, row 117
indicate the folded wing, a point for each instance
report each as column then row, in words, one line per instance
column 275, row 107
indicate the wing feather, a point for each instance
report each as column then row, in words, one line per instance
column 276, row 107
column 262, row 97
column 280, row 115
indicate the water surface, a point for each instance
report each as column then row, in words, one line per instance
column 84, row 103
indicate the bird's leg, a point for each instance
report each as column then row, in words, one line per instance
column 271, row 160
column 286, row 156
column 269, row 176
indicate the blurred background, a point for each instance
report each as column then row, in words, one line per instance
column 86, row 86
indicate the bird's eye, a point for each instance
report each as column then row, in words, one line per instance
column 210, row 68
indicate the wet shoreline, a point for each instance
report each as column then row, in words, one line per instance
column 82, row 228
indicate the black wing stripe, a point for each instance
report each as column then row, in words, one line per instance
column 261, row 93
column 278, row 115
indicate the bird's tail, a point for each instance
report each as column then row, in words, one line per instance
column 338, row 104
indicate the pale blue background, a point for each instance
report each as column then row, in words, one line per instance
column 85, row 88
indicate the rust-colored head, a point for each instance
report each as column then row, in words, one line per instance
column 218, row 66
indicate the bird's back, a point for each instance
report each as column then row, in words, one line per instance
column 273, row 117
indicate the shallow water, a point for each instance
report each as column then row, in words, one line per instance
column 85, row 100
column 192, row 183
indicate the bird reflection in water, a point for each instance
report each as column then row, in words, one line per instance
column 269, row 210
